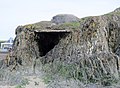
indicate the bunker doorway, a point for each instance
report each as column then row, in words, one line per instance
column 47, row 40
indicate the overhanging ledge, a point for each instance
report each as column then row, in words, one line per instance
column 66, row 31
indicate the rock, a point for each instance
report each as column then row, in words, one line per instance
column 64, row 18
column 18, row 30
column 117, row 51
column 117, row 10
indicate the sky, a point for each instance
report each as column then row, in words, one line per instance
column 21, row 12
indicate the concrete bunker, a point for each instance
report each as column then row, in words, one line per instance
column 47, row 39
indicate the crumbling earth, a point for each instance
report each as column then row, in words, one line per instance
column 86, row 50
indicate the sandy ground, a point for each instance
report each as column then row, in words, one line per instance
column 34, row 82
column 3, row 55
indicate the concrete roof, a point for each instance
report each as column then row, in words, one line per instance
column 53, row 31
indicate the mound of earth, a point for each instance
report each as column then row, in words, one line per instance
column 86, row 49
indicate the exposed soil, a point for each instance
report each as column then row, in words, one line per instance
column 3, row 55
column 33, row 82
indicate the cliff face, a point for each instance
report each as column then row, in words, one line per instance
column 91, row 45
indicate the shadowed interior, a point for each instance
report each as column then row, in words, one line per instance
column 47, row 40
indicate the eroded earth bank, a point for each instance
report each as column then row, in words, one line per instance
column 67, row 52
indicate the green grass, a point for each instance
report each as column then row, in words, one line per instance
column 38, row 25
column 23, row 83
column 68, row 71
column 19, row 86
column 71, row 25
column 61, row 69
column 47, row 79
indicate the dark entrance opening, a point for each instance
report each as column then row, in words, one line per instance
column 47, row 40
